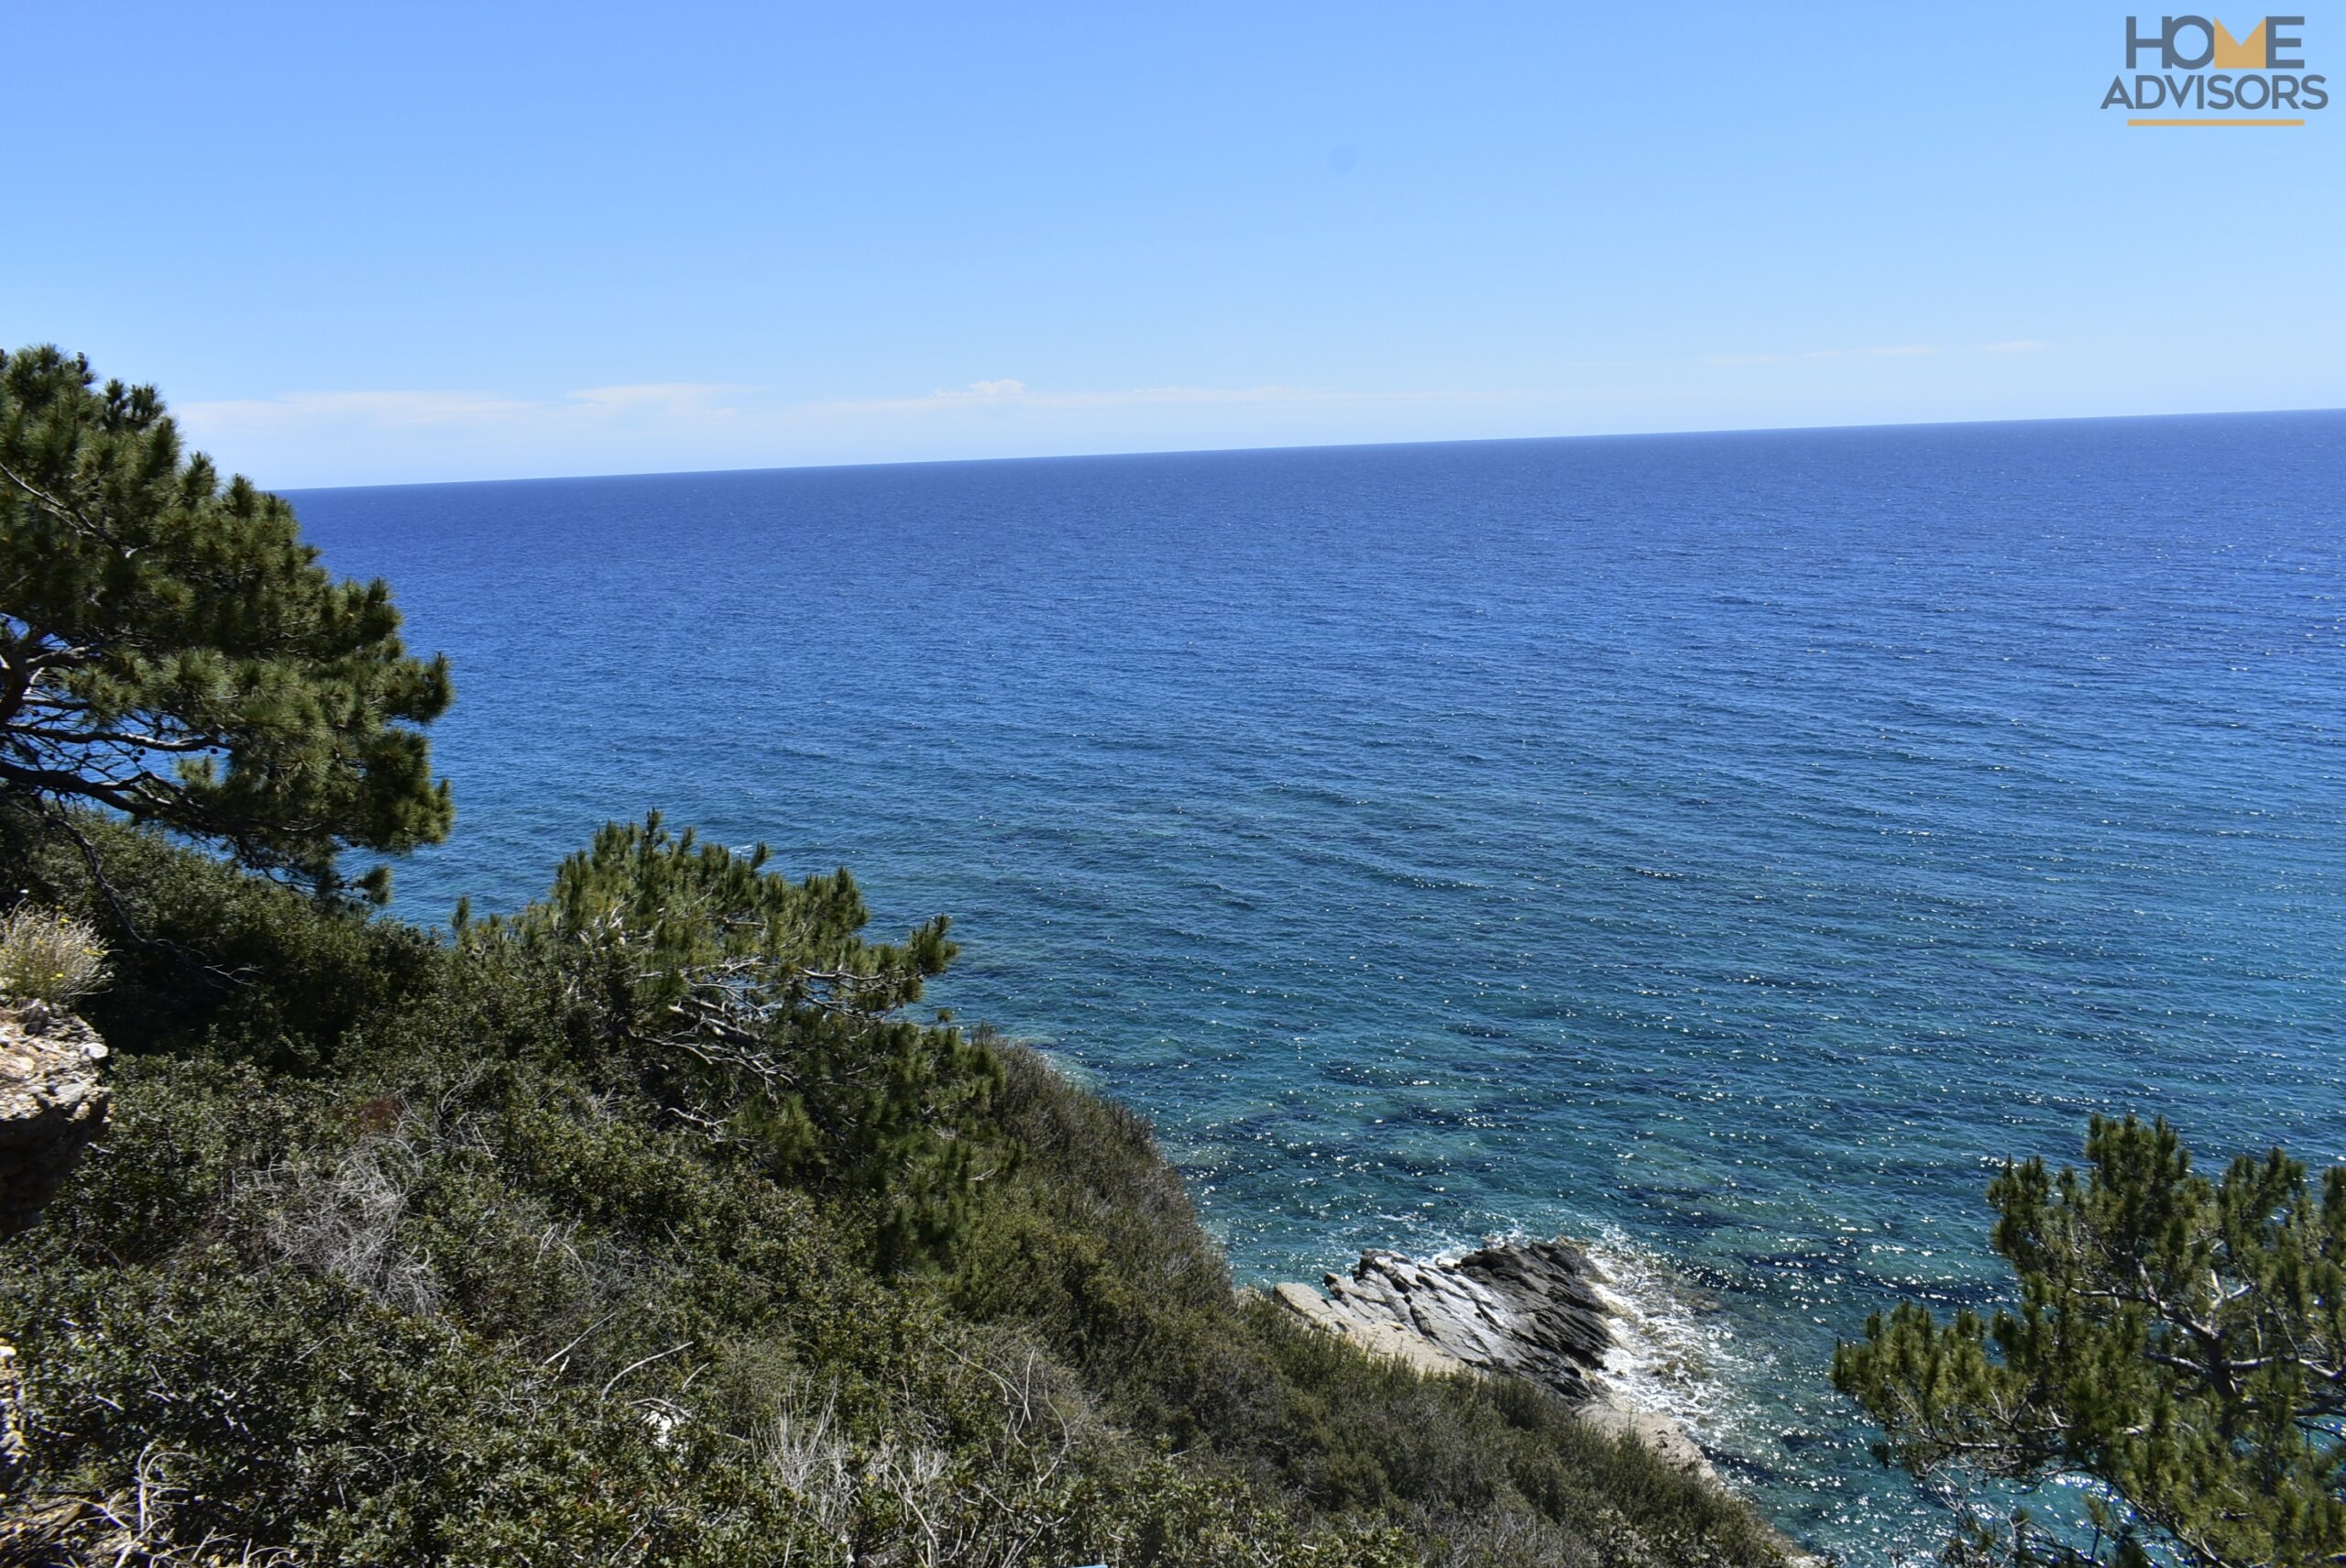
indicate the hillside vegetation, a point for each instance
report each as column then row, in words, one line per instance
column 653, row 1225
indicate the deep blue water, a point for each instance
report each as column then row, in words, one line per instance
column 1731, row 846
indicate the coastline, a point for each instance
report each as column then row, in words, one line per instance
column 1542, row 1310
column 1547, row 1312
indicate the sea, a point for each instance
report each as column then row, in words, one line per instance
column 1726, row 849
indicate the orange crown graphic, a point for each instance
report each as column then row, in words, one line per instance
column 2240, row 54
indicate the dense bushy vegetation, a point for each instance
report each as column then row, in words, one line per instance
column 650, row 1226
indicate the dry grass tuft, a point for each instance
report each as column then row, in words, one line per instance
column 49, row 956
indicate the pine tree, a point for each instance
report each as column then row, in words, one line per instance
column 752, row 1008
column 170, row 648
column 2178, row 1353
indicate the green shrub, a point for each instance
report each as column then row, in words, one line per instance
column 750, row 1005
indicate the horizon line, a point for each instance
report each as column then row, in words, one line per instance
column 1316, row 446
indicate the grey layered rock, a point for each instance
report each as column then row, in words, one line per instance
column 52, row 1104
column 1535, row 1310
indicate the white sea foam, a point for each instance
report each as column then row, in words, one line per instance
column 1674, row 1354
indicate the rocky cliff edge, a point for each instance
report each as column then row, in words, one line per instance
column 52, row 1106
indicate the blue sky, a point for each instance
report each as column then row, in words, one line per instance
column 377, row 243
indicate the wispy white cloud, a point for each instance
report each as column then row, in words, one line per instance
column 383, row 410
column 414, row 409
column 1883, row 351
column 670, row 396
column 1886, row 351
column 1018, row 394
column 309, row 438
column 332, row 437
column 693, row 403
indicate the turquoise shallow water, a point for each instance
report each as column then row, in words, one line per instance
column 1727, row 846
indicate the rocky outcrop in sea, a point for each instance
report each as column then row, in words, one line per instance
column 1535, row 1310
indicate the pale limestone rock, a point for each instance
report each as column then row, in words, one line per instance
column 52, row 1104
column 1535, row 1310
